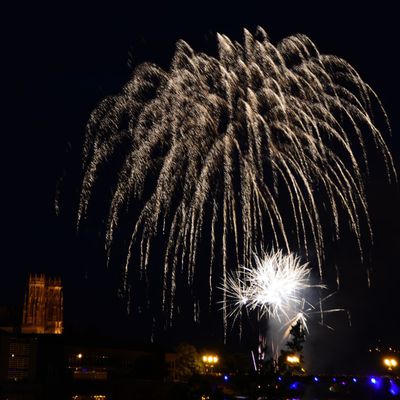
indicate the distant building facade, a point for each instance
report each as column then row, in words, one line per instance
column 43, row 306
column 18, row 358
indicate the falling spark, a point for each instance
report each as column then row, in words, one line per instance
column 234, row 151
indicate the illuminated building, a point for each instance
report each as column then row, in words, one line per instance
column 43, row 306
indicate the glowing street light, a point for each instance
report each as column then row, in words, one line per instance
column 293, row 360
column 209, row 361
column 390, row 363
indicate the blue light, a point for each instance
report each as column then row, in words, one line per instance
column 377, row 382
column 294, row 386
column 316, row 379
column 394, row 389
column 279, row 378
column 354, row 380
column 334, row 379
column 226, row 378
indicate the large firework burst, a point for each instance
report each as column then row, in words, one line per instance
column 235, row 151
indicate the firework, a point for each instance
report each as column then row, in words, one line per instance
column 233, row 150
column 276, row 288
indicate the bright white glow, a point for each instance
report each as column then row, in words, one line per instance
column 273, row 286
column 276, row 288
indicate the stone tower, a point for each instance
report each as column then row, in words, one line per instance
column 43, row 306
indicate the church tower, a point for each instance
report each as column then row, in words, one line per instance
column 54, row 306
column 43, row 306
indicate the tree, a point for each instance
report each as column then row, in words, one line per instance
column 294, row 348
column 188, row 361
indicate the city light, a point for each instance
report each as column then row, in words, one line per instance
column 394, row 389
column 210, row 359
column 293, row 359
column 390, row 363
column 376, row 382
column 79, row 355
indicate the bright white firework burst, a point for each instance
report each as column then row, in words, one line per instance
column 274, row 287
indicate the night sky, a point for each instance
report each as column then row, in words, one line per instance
column 61, row 63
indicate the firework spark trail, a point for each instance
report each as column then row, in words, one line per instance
column 222, row 141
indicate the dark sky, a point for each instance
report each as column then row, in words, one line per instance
column 60, row 62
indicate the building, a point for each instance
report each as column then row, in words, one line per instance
column 18, row 358
column 43, row 306
column 32, row 367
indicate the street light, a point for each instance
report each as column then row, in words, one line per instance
column 209, row 361
column 390, row 363
column 293, row 359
